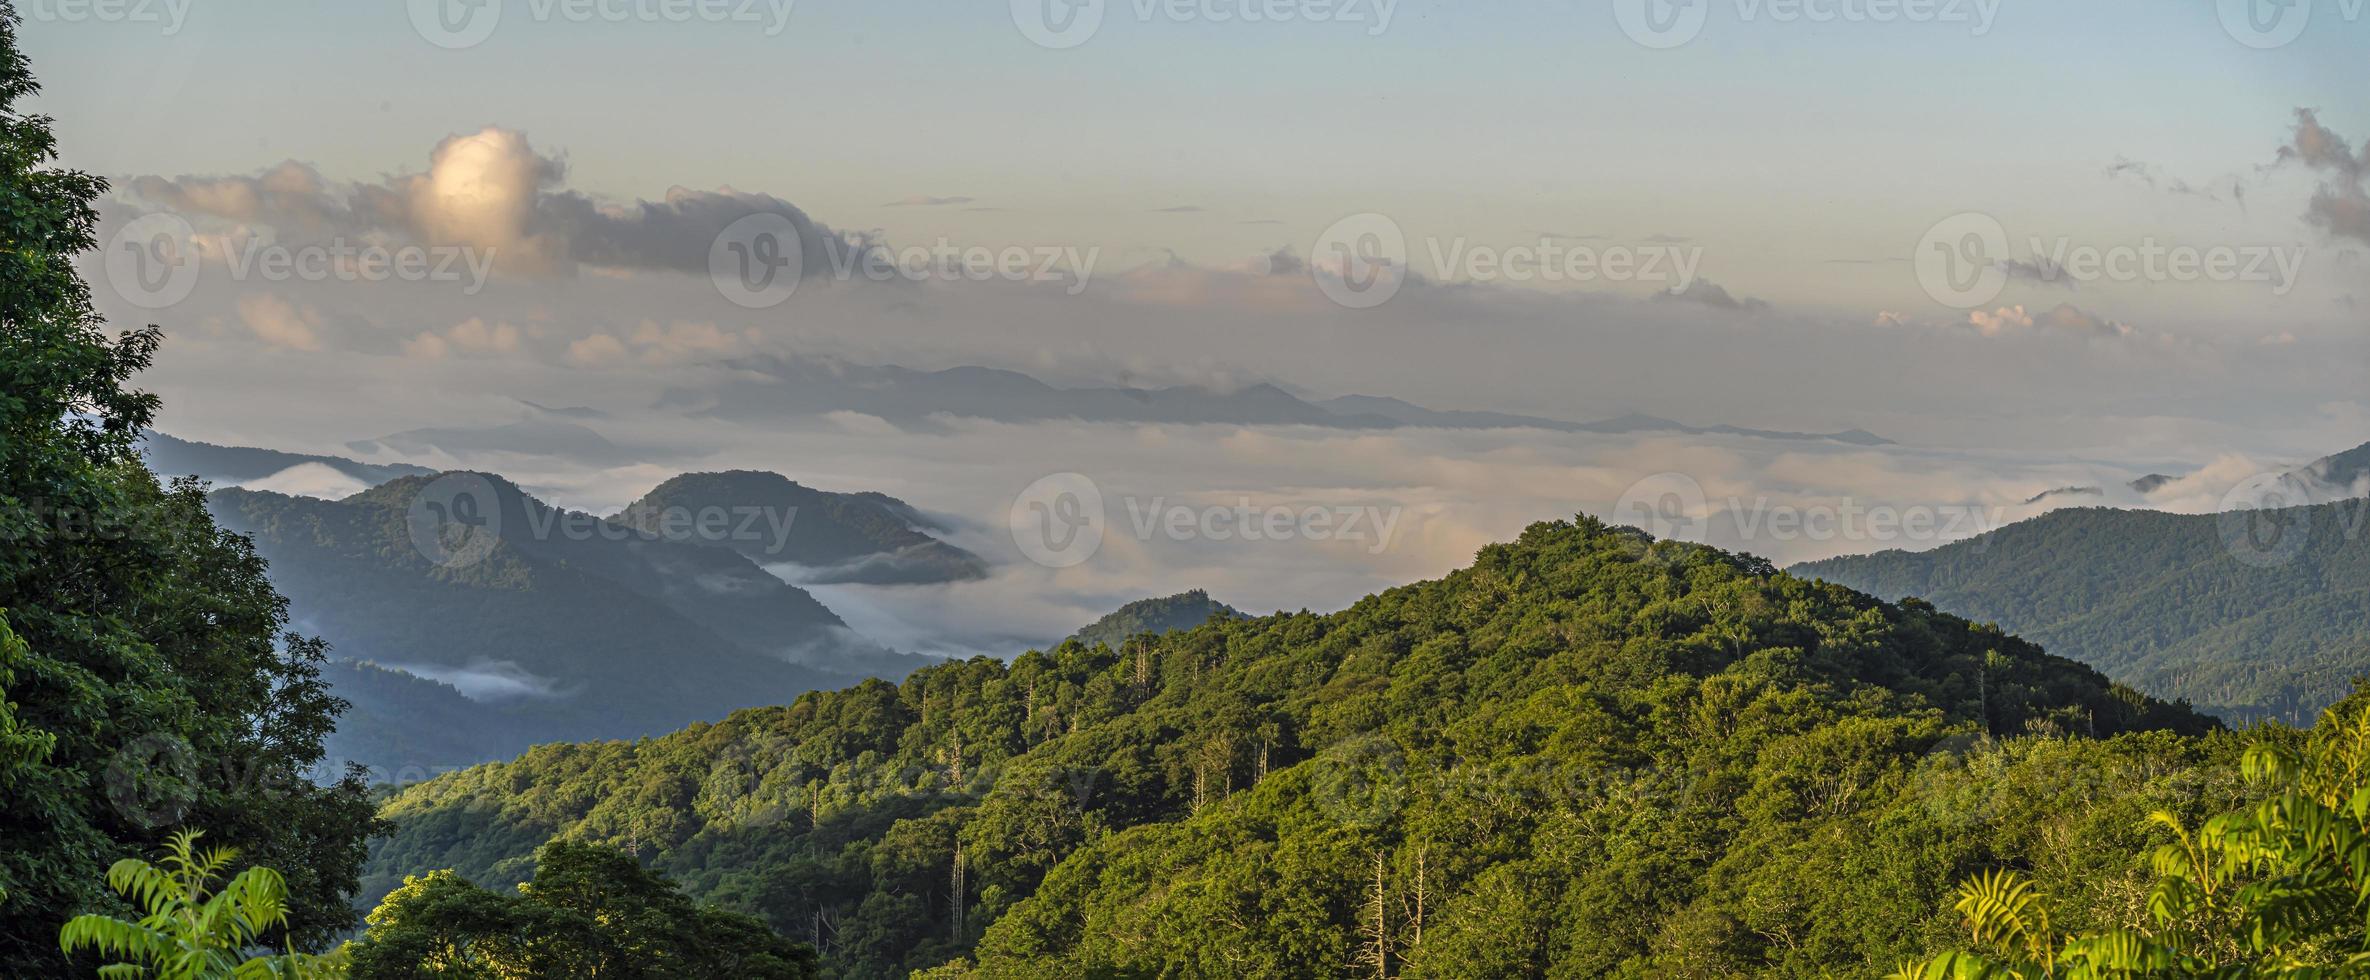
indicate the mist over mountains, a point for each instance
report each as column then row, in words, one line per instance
column 757, row 388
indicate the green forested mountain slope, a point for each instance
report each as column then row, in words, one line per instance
column 2161, row 601
column 596, row 632
column 868, row 538
column 1581, row 756
column 1166, row 614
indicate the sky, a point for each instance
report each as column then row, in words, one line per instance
column 1765, row 219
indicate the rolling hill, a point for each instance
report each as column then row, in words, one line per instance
column 1587, row 754
column 2163, row 602
column 856, row 538
column 550, row 626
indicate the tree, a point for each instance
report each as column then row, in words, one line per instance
column 193, row 931
column 153, row 683
column 2275, row 890
column 589, row 912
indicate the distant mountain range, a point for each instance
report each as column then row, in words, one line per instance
column 2246, row 615
column 2337, row 477
column 232, row 465
column 1156, row 617
column 860, row 538
column 549, row 625
column 765, row 388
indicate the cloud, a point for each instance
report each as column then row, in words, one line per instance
column 2341, row 207
column 597, row 351
column 471, row 336
column 2154, row 178
column 2066, row 318
column 1704, row 292
column 1180, row 209
column 492, row 190
column 926, row 201
column 279, row 323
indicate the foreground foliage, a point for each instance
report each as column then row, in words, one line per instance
column 588, row 912
column 149, row 679
column 193, row 931
column 1588, row 754
column 2279, row 889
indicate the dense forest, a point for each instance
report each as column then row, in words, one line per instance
column 2161, row 601
column 1588, row 753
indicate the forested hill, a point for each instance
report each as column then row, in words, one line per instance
column 1584, row 754
column 1166, row 614
column 555, row 625
column 2173, row 604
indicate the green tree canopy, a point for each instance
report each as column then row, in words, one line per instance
column 588, row 912
column 152, row 682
